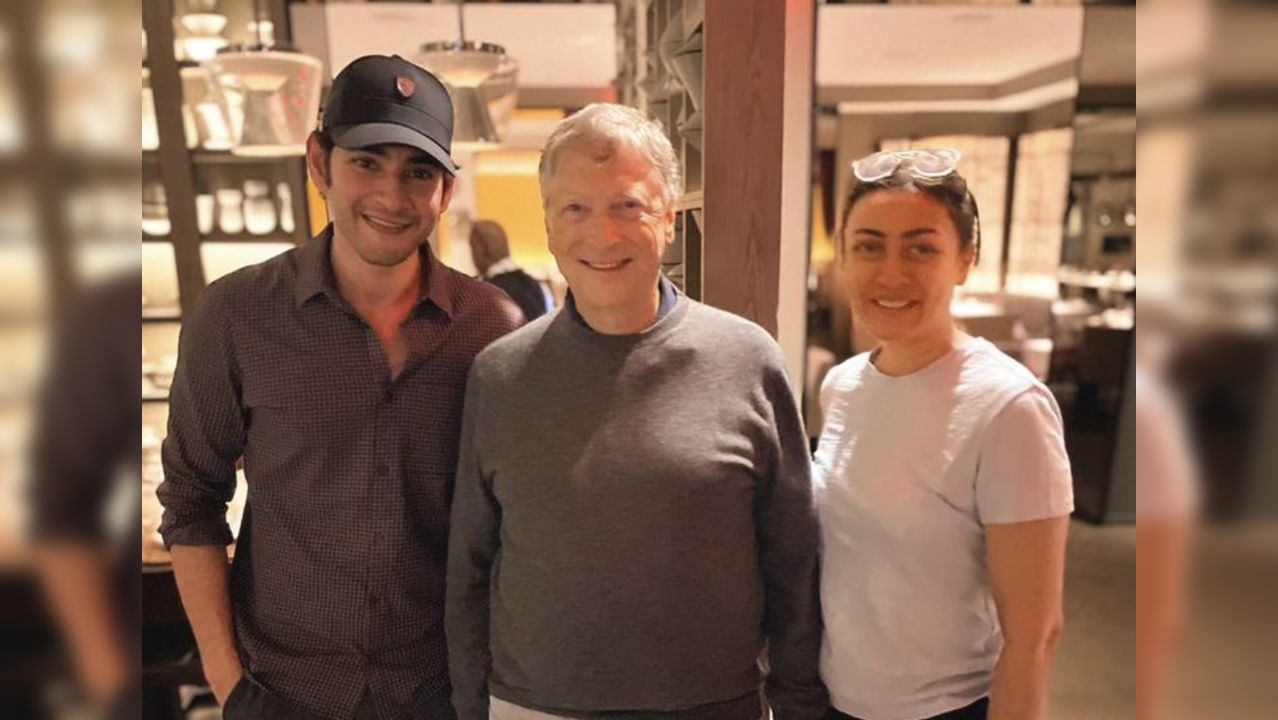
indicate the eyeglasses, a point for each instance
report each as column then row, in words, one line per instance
column 926, row 164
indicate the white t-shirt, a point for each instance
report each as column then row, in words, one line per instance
column 909, row 471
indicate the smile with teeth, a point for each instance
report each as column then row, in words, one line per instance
column 386, row 225
column 605, row 266
column 894, row 304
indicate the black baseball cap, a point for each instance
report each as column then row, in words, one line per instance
column 378, row 100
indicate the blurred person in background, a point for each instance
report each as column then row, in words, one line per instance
column 1166, row 507
column 84, row 444
column 336, row 371
column 490, row 250
column 942, row 481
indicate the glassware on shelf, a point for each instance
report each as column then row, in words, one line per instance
column 152, row 476
column 216, row 122
column 274, row 97
column 259, row 210
column 204, row 35
column 205, row 212
column 205, row 110
column 262, row 31
column 155, row 210
column 230, row 216
column 150, row 128
column 285, row 194
column 159, row 281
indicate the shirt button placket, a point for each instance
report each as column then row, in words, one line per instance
column 381, row 506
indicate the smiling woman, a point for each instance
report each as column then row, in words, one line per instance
column 943, row 568
column 910, row 235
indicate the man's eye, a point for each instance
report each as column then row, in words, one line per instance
column 924, row 250
column 630, row 208
column 424, row 174
column 362, row 162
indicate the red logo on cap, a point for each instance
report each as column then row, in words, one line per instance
column 405, row 86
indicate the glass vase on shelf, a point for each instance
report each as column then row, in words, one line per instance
column 285, row 194
column 230, row 216
column 259, row 210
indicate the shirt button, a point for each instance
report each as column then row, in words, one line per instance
column 388, row 395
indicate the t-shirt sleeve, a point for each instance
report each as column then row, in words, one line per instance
column 1024, row 471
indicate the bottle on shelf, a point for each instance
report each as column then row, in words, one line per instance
column 259, row 210
column 285, row 194
column 230, row 216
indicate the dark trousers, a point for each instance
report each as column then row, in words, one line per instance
column 975, row 711
column 251, row 701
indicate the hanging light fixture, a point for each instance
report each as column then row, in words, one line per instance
column 273, row 93
column 481, row 78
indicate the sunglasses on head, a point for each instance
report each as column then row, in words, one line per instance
column 926, row 165
column 922, row 164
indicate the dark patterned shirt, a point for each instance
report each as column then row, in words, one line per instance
column 338, row 580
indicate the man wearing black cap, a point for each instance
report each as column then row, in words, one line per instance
column 336, row 373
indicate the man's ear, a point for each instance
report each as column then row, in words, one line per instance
column 317, row 164
column 446, row 191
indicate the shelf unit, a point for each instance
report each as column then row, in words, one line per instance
column 651, row 33
column 723, row 77
column 185, row 169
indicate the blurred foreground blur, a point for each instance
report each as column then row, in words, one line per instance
column 1207, row 355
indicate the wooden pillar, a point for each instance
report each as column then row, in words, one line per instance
column 759, row 60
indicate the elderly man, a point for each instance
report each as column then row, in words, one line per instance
column 490, row 250
column 632, row 547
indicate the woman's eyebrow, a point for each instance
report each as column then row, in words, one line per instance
column 918, row 232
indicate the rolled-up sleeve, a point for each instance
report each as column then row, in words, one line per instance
column 207, row 427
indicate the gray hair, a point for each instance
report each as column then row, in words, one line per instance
column 606, row 125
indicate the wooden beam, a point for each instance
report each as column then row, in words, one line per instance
column 744, row 119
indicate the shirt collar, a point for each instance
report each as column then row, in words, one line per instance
column 315, row 274
column 669, row 295
column 501, row 267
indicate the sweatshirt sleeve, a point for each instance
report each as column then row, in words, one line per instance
column 789, row 540
column 474, row 540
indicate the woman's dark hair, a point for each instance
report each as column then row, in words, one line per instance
column 951, row 191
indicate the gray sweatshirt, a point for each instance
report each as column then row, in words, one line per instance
column 632, row 521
